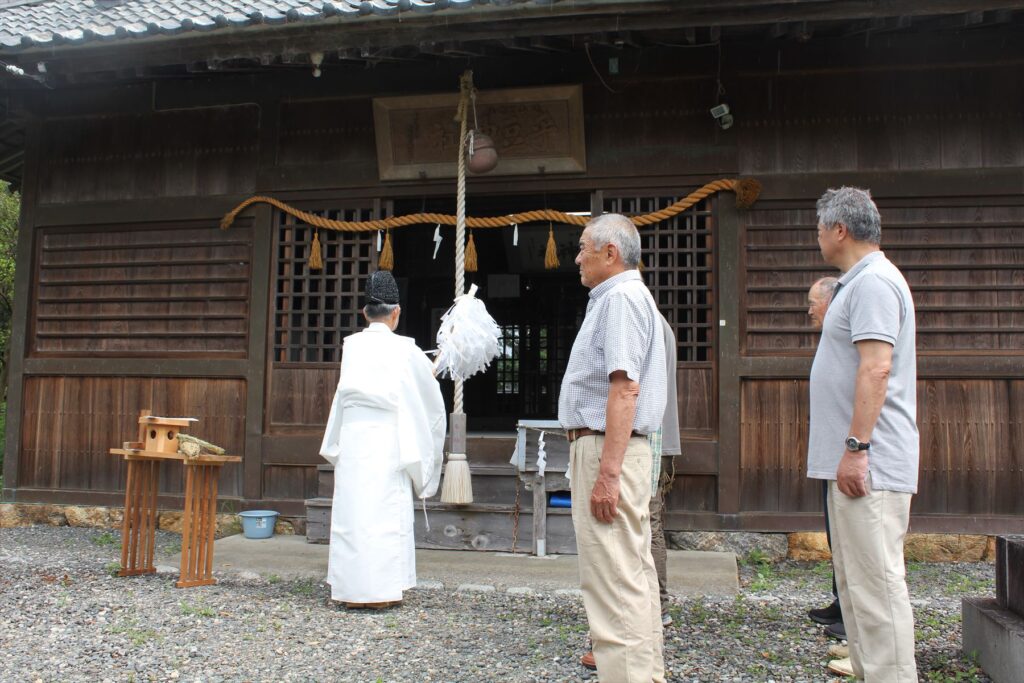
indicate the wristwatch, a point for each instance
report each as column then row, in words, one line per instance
column 852, row 444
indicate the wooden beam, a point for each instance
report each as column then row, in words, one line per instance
column 485, row 23
column 259, row 331
column 729, row 294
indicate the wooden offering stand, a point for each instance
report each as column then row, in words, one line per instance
column 158, row 440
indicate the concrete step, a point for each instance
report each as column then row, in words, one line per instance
column 690, row 573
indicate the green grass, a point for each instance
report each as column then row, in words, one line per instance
column 197, row 610
column 112, row 568
column 305, row 587
column 105, row 540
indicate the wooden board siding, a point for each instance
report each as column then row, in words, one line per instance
column 69, row 423
column 963, row 265
column 143, row 289
column 944, row 118
column 971, row 450
column 302, row 397
column 181, row 153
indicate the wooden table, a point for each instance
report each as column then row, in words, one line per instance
column 138, row 531
column 553, row 479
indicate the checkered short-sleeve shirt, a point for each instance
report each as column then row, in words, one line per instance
column 621, row 331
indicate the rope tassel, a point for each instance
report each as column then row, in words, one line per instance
column 471, row 254
column 387, row 255
column 316, row 261
column 551, row 261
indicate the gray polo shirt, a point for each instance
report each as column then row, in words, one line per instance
column 873, row 301
column 621, row 331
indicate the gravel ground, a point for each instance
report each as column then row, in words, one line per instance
column 64, row 617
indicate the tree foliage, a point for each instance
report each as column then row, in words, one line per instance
column 10, row 207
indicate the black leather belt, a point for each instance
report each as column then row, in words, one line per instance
column 573, row 434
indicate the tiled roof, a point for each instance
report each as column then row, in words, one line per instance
column 51, row 23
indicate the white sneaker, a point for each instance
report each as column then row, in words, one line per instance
column 841, row 667
column 839, row 651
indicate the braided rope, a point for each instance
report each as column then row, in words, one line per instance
column 466, row 84
column 746, row 189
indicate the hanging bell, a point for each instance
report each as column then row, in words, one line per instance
column 481, row 156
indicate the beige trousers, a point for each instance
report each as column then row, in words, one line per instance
column 867, row 551
column 620, row 586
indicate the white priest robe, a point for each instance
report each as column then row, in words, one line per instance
column 385, row 438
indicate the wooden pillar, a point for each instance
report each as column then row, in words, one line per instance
column 729, row 268
column 540, row 516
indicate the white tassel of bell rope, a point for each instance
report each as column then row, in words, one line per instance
column 380, row 240
column 468, row 338
column 515, row 234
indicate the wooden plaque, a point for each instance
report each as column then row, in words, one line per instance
column 535, row 130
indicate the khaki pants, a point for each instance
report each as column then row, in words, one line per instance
column 620, row 586
column 867, row 554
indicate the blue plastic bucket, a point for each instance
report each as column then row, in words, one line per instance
column 258, row 523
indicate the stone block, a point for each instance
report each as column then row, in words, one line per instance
column 990, row 550
column 995, row 636
column 944, row 547
column 10, row 516
column 1010, row 573
column 228, row 524
column 283, row 528
column 50, row 515
column 809, row 547
column 773, row 547
column 88, row 517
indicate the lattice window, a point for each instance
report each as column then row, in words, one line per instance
column 315, row 309
column 679, row 260
column 508, row 361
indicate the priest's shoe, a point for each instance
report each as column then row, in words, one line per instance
column 588, row 661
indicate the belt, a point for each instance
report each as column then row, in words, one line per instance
column 573, row 434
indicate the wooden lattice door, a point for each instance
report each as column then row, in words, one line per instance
column 679, row 268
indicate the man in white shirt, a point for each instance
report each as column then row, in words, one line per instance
column 612, row 397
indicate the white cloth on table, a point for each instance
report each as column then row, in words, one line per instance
column 385, row 438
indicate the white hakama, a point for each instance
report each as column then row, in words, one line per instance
column 385, row 438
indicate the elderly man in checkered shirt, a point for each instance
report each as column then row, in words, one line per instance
column 613, row 395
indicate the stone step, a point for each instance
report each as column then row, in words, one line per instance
column 478, row 526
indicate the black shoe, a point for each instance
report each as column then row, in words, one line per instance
column 827, row 615
column 836, row 630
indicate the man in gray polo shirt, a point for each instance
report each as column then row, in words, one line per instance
column 613, row 396
column 864, row 438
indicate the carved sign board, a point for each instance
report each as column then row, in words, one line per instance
column 535, row 130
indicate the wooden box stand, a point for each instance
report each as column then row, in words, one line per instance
column 138, row 531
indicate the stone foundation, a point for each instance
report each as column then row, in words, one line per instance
column 94, row 517
column 813, row 546
column 802, row 546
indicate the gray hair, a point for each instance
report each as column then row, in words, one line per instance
column 827, row 285
column 854, row 208
column 378, row 311
column 614, row 228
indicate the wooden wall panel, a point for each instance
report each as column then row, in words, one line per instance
column 69, row 423
column 696, row 389
column 693, row 493
column 898, row 121
column 181, row 153
column 971, row 447
column 773, row 448
column 302, row 397
column 289, row 482
column 963, row 265
column 151, row 289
